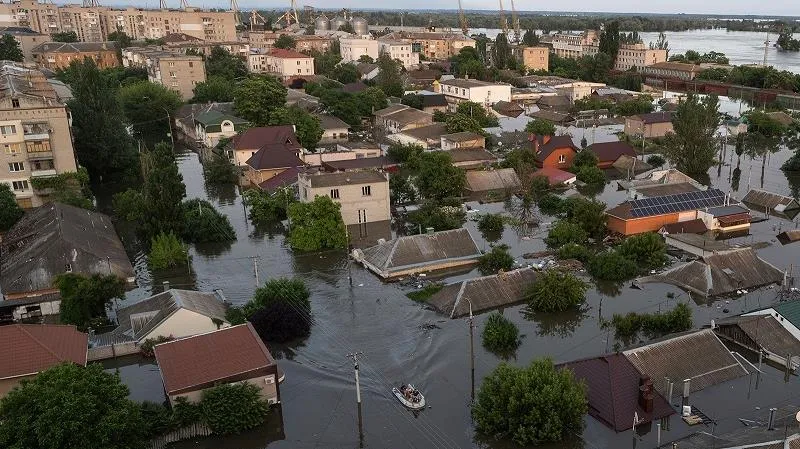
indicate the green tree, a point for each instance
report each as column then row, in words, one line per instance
column 285, row 41
column 436, row 177
column 203, row 223
column 656, row 161
column 595, row 68
column 491, row 226
column 10, row 212
column 222, row 63
column 325, row 63
column 556, row 291
column 366, row 59
column 163, row 192
column 551, row 204
column 574, row 251
column 84, row 299
column 317, row 225
column 167, row 251
column 588, row 214
column 661, row 44
column 231, row 409
column 612, row 266
column 122, row 39
column 402, row 190
column 591, row 175
column 648, row 250
column 654, row 325
column 501, row 51
column 66, row 36
column 69, row 406
column 9, row 49
column 402, row 153
column 610, row 40
column 345, row 73
column 714, row 74
column 468, row 62
column 257, row 97
column 457, row 123
column 761, row 123
column 144, row 101
column 563, row 232
column 412, row 100
column 531, row 405
column 530, row 38
column 219, row 169
column 693, row 145
column 438, row 215
column 129, row 205
column 308, row 127
column 477, row 112
column 268, row 208
column 540, row 127
column 389, row 76
column 495, row 260
column 500, row 335
column 585, row 158
column 370, row 100
column 213, row 89
column 787, row 43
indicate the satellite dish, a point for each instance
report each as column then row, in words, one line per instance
column 797, row 416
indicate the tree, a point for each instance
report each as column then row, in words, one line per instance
column 167, row 251
column 612, row 266
column 129, row 205
column 268, row 208
column 468, row 62
column 280, row 323
column 787, row 43
column 574, row 251
column 661, row 44
column 501, row 51
column 540, row 127
column 9, row 49
column 551, row 204
column 279, row 291
column 203, row 223
column 345, row 73
column 222, row 63
column 308, row 127
column 692, row 147
column 213, row 89
column 532, row 405
column 761, row 123
column 654, row 325
column 479, row 113
column 285, row 41
column 257, row 97
column 439, row 215
column 84, row 299
column 366, row 59
column 412, row 100
column 500, row 335
column 163, row 192
column 219, row 169
column 230, row 409
column 457, row 123
column 648, row 250
column 388, row 78
column 555, row 291
column 10, row 212
column 591, row 175
column 563, row 232
column 436, row 177
column 585, row 158
column 122, row 39
column 325, row 63
column 610, row 40
column 595, row 68
column 588, row 214
column 656, row 161
column 370, row 100
column 66, row 36
column 71, row 406
column 347, row 28
column 530, row 38
column 495, row 260
column 317, row 225
column 491, row 226
column 402, row 153
column 145, row 101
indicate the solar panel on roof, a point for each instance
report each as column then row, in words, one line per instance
column 678, row 202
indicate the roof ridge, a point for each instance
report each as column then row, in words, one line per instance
column 38, row 342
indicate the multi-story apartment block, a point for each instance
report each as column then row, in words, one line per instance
column 632, row 55
column 285, row 64
column 460, row 90
column 434, row 45
column 570, row 45
column 59, row 55
column 95, row 23
column 364, row 195
column 26, row 38
column 400, row 51
column 171, row 69
column 353, row 49
column 35, row 133
column 536, row 58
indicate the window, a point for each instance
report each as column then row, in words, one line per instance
column 562, row 159
column 171, row 64
column 19, row 186
column 16, row 166
column 8, row 129
column 298, row 62
column 366, row 190
column 335, row 194
column 13, row 148
column 15, row 102
column 191, row 64
column 46, row 164
column 38, row 146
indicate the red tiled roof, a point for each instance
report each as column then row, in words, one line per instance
column 612, row 384
column 208, row 358
column 32, row 348
column 285, row 178
column 287, row 54
column 255, row 138
column 555, row 143
column 611, row 151
column 554, row 175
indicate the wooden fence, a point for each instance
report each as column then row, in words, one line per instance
column 184, row 433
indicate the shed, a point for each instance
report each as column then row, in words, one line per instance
column 483, row 293
column 693, row 243
column 764, row 201
column 483, row 183
column 405, row 256
column 555, row 176
column 760, row 333
column 471, row 158
column 685, row 227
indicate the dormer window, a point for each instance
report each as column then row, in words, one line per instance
column 15, row 102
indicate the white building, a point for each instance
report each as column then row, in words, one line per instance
column 486, row 93
column 353, row 49
column 281, row 62
column 400, row 51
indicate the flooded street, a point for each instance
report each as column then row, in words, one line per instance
column 402, row 341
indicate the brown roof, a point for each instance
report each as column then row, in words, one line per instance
column 699, row 356
column 255, row 138
column 471, row 155
column 179, row 37
column 287, row 54
column 766, row 332
column 552, row 116
column 331, row 122
column 612, row 384
column 555, row 176
column 611, row 151
column 433, row 131
column 285, row 178
column 695, row 226
column 411, row 115
column 553, row 144
column 554, row 101
column 344, row 178
column 679, row 66
column 32, row 348
column 391, row 109
column 764, row 199
column 484, row 293
column 359, row 164
column 465, row 136
column 212, row 357
column 666, row 189
column 272, row 156
column 654, row 117
column 488, row 180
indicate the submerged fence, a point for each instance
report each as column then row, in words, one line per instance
column 184, row 433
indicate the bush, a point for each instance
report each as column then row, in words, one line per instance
column 156, row 418
column 500, row 335
column 280, row 322
column 591, row 175
column 166, row 251
column 149, row 344
column 84, row 299
column 612, row 266
column 129, row 205
column 425, row 292
column 574, row 251
column 646, row 250
column 231, row 409
column 185, row 413
column 654, row 325
column 219, row 170
column 589, row 214
column 495, row 260
column 401, row 153
column 556, row 291
column 532, row 405
column 439, row 215
column 585, row 158
column 656, row 161
column 793, row 164
column 268, row 208
column 203, row 223
column 10, row 212
column 563, row 232
column 491, row 226
column 551, row 204
column 317, row 225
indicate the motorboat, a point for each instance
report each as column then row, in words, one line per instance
column 409, row 396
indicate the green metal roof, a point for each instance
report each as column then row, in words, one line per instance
column 790, row 310
column 216, row 118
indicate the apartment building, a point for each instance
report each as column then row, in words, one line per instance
column 483, row 92
column 433, row 45
column 171, row 69
column 34, row 133
column 536, row 58
column 285, row 64
column 363, row 195
column 59, row 55
column 95, row 23
column 400, row 51
column 680, row 70
column 26, row 38
column 303, row 43
column 636, row 55
column 571, row 45
column 353, row 49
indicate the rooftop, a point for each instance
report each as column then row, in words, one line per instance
column 331, row 122
column 285, row 178
column 410, row 115
column 468, row 83
column 273, row 156
column 489, row 180
column 213, row 117
column 668, row 204
column 680, row 66
column 695, row 226
column 762, row 200
column 287, row 54
column 465, row 136
column 725, row 211
column 656, row 190
column 359, row 164
column 74, row 47
column 32, row 348
column 255, row 138
column 16, row 79
column 552, row 116
column 654, row 117
column 471, row 155
column 483, row 293
column 344, row 178
column 434, row 131
column 764, row 331
column 611, row 151
column 554, row 175
column 391, row 109
column 548, row 144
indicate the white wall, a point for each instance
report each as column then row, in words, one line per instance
column 183, row 323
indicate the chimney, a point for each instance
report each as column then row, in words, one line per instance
column 687, row 383
column 166, row 285
column 646, row 395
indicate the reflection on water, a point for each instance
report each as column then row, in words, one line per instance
column 561, row 324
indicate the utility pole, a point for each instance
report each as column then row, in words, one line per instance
column 255, row 270
column 471, row 350
column 354, row 356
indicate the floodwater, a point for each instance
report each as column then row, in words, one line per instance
column 403, row 341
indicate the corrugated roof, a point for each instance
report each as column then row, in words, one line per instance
column 273, row 156
column 433, row 131
column 611, row 151
column 345, row 178
column 762, row 199
column 213, row 117
column 331, row 122
column 465, row 136
column 391, row 109
column 359, row 164
column 74, row 47
column 32, row 348
column 695, row 226
column 284, row 53
column 488, row 180
column 471, row 155
column 654, row 190
column 790, row 310
column 554, row 175
column 255, row 138
column 654, row 117
column 484, row 293
column 725, row 211
column 212, row 357
column 699, row 356
column 285, row 178
column 552, row 116
column 411, row 115
column 766, row 332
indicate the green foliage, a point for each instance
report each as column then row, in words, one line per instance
column 221, row 63
column 389, row 76
column 402, row 153
column 491, row 226
column 693, row 146
column 540, row 127
column 574, row 251
column 531, row 405
column 129, row 205
column 556, row 291
column 457, row 123
column 230, row 409
column 280, row 290
column 693, row 57
column 500, row 335
column 714, row 74
column 436, row 177
column 402, row 190
column 761, row 123
column 69, row 406
column 591, row 175
column 552, row 204
column 156, row 418
column 585, row 158
column 285, row 41
column 144, row 102
column 628, row 81
column 86, row 298
column 219, row 169
column 468, row 62
column 495, row 260
column 308, row 127
column 642, row 104
column 501, row 52
column 426, row 292
column 647, row 250
column 787, row 43
column 147, row 346
column 477, row 112
column 68, row 188
column 9, row 49
column 656, row 161
column 325, row 63
column 653, row 325
column 345, row 73
column 185, row 413
column 412, row 100
column 163, row 192
column 610, row 39
column 66, row 36
column 793, row 164
column 268, row 208
column 10, row 212
column 612, row 266
column 563, row 232
column 257, row 97
column 203, row 223
column 366, row 58
column 167, row 251
column 595, row 68
column 317, row 225
column 530, row 38
column 439, row 215
column 122, row 39
column 588, row 214
column 214, row 89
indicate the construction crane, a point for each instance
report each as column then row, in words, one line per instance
column 290, row 16
column 462, row 19
column 236, row 16
column 256, row 19
column 503, row 21
column 515, row 23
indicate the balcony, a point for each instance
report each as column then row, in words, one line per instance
column 43, row 173
column 40, row 155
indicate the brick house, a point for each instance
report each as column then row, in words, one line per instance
column 654, row 124
column 553, row 151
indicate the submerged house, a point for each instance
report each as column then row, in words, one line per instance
column 488, row 184
column 483, row 293
column 761, row 333
column 423, row 253
column 771, row 203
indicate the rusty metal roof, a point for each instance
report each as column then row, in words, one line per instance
column 487, row 180
column 766, row 332
column 484, row 293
